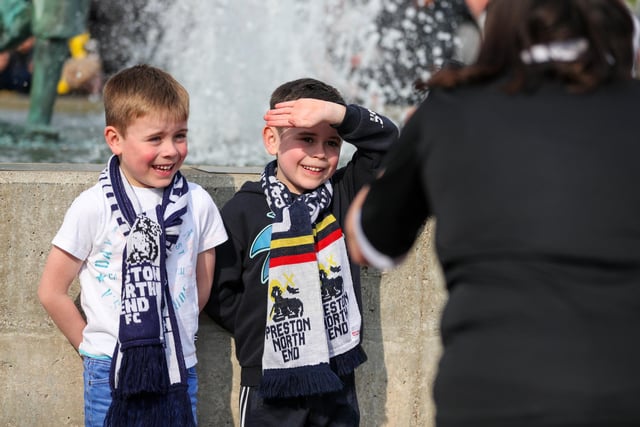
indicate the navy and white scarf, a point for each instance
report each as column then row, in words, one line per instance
column 148, row 375
column 312, row 334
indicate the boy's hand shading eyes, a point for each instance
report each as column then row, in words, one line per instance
column 305, row 113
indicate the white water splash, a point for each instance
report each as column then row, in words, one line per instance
column 231, row 54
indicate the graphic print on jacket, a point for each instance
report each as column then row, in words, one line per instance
column 261, row 244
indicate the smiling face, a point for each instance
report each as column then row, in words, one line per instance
column 151, row 150
column 307, row 157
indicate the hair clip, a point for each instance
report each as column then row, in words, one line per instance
column 557, row 51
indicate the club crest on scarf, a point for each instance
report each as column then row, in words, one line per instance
column 313, row 321
column 142, row 281
column 144, row 241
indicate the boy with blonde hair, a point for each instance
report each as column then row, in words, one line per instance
column 142, row 243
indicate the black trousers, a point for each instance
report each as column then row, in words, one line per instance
column 339, row 409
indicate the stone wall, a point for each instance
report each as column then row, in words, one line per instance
column 41, row 374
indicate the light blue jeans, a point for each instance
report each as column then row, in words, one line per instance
column 97, row 393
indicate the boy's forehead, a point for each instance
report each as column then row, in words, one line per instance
column 152, row 122
column 160, row 115
column 322, row 130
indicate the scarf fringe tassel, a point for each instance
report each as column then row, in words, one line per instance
column 301, row 381
column 179, row 408
column 346, row 363
column 151, row 410
column 143, row 369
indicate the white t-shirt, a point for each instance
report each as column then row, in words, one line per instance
column 89, row 232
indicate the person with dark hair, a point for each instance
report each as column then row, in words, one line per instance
column 527, row 160
column 284, row 285
column 16, row 67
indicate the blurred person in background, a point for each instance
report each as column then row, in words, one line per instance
column 16, row 67
column 527, row 160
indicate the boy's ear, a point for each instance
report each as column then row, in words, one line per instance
column 113, row 139
column 270, row 139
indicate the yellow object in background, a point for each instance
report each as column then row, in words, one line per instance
column 81, row 67
column 63, row 87
column 76, row 45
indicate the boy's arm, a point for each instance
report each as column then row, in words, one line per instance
column 59, row 272
column 204, row 275
column 373, row 135
column 226, row 289
column 367, row 130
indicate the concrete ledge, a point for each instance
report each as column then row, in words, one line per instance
column 41, row 374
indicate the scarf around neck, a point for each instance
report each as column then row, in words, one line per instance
column 313, row 325
column 148, row 375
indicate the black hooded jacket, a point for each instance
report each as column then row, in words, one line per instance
column 238, row 299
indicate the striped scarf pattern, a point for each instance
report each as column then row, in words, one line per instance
column 313, row 325
column 148, row 375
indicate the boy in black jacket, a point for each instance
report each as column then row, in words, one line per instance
column 284, row 285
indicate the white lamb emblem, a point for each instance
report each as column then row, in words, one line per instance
column 143, row 241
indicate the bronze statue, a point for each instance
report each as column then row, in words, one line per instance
column 53, row 23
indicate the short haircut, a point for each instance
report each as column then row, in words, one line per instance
column 305, row 88
column 514, row 26
column 142, row 90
